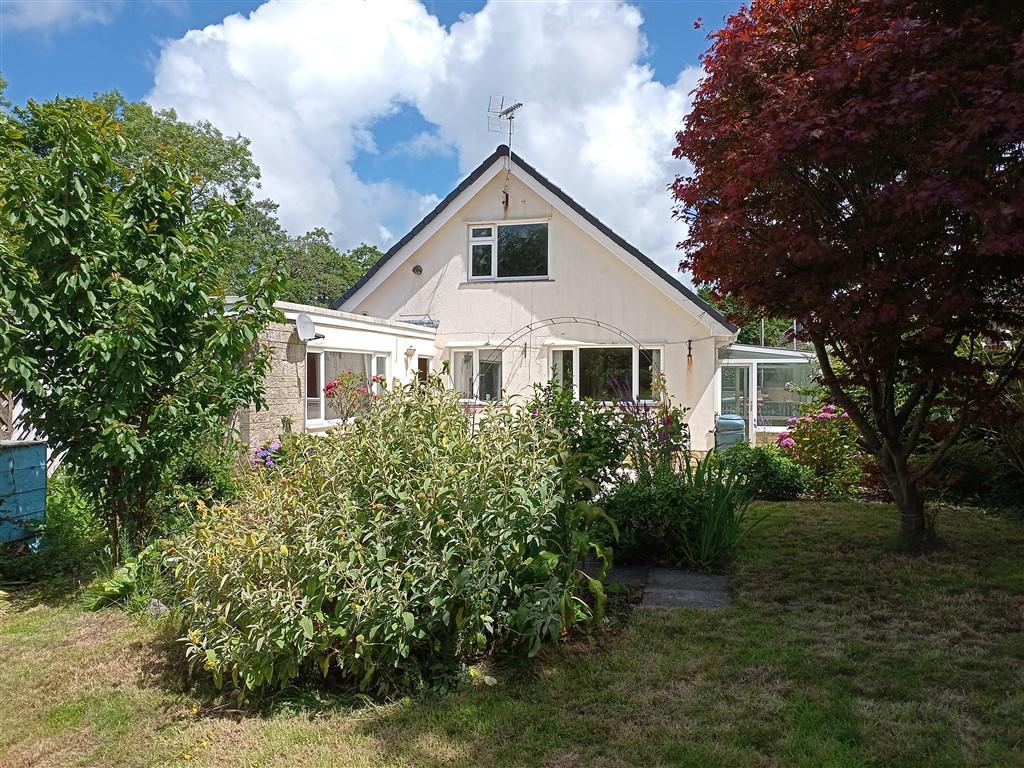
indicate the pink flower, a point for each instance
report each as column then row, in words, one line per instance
column 793, row 420
column 844, row 415
column 829, row 408
column 787, row 442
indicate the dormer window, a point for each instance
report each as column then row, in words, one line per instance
column 508, row 251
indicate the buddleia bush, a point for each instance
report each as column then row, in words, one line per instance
column 390, row 552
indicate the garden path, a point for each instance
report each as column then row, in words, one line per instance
column 673, row 588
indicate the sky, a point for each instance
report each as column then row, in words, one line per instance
column 363, row 115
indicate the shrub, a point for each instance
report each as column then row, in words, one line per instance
column 771, row 474
column 349, row 395
column 653, row 517
column 824, row 440
column 594, row 434
column 693, row 518
column 721, row 518
column 656, row 433
column 209, row 469
column 389, row 552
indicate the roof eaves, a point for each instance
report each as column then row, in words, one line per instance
column 424, row 222
column 503, row 150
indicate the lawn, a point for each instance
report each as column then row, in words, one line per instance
column 837, row 651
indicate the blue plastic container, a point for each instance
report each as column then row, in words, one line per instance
column 22, row 488
column 730, row 429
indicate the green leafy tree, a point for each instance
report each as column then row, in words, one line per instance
column 113, row 322
column 318, row 273
column 776, row 329
column 221, row 167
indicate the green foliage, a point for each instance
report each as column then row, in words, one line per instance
column 721, row 519
column 131, row 584
column 656, row 434
column 389, row 552
column 653, row 517
column 594, row 434
column 205, row 469
column 71, row 537
column 695, row 518
column 824, row 440
column 113, row 322
column 318, row 273
column 222, row 167
column 771, row 474
column 776, row 329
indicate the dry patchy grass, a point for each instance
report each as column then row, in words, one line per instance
column 838, row 651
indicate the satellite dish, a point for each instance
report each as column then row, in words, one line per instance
column 306, row 328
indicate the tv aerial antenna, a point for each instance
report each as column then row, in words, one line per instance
column 502, row 119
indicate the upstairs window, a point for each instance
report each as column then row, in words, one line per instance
column 508, row 251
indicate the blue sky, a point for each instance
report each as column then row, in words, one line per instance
column 363, row 115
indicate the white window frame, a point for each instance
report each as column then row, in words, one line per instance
column 752, row 409
column 635, row 383
column 374, row 356
column 493, row 242
column 475, row 394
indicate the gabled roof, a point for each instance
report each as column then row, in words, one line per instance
column 500, row 152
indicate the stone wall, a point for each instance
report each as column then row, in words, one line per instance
column 285, row 389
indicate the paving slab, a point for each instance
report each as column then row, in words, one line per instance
column 634, row 575
column 672, row 578
column 684, row 598
column 672, row 587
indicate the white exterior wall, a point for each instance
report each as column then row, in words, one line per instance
column 400, row 343
column 585, row 279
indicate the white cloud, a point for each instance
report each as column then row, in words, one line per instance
column 423, row 144
column 306, row 82
column 54, row 15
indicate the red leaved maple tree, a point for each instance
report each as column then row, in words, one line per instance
column 859, row 165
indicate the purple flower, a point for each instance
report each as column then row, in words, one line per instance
column 787, row 442
column 829, row 408
column 793, row 420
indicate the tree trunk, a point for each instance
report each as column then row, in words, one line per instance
column 114, row 530
column 115, row 512
column 916, row 527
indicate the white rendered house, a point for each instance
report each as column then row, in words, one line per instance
column 521, row 283
column 508, row 283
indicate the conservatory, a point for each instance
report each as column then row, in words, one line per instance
column 765, row 386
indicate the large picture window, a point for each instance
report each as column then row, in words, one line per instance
column 325, row 366
column 609, row 374
column 477, row 374
column 508, row 251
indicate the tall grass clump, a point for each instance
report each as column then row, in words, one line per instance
column 721, row 513
column 389, row 553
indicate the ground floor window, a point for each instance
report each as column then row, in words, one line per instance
column 323, row 367
column 610, row 374
column 477, row 374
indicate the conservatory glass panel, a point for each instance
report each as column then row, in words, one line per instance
column 777, row 396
